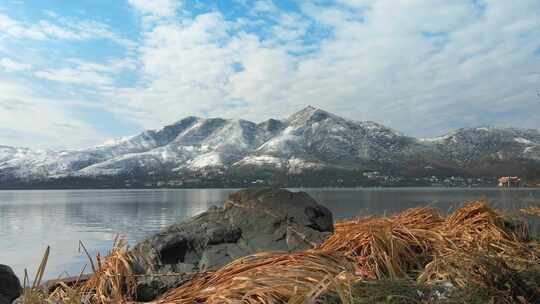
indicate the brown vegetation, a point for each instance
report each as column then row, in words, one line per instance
column 266, row 278
column 534, row 211
column 417, row 256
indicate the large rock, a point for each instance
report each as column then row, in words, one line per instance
column 251, row 221
column 10, row 286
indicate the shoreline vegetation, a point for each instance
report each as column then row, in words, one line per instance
column 236, row 187
column 473, row 255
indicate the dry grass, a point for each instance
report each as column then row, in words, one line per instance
column 534, row 211
column 266, row 278
column 393, row 247
column 32, row 293
column 474, row 236
column 485, row 256
column 474, row 246
column 477, row 226
column 111, row 282
column 496, row 274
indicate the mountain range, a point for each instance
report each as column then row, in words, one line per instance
column 309, row 143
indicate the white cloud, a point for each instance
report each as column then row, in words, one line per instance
column 27, row 119
column 441, row 61
column 183, row 66
column 111, row 66
column 16, row 29
column 53, row 30
column 86, row 73
column 50, row 13
column 75, row 76
column 422, row 66
column 158, row 8
column 264, row 6
column 63, row 29
column 390, row 61
column 13, row 66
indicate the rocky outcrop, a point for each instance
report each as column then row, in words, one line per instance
column 10, row 286
column 252, row 220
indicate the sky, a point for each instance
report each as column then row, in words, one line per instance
column 76, row 73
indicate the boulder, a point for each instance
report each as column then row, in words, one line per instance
column 251, row 220
column 10, row 286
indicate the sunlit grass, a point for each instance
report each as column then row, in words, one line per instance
column 474, row 255
column 112, row 281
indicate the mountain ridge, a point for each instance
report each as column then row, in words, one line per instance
column 307, row 141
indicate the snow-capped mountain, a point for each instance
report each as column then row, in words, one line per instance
column 465, row 145
column 316, row 138
column 309, row 140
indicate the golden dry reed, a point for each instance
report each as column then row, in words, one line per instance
column 112, row 281
column 388, row 247
column 473, row 246
column 266, row 278
column 534, row 211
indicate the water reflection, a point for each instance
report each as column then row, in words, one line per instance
column 31, row 220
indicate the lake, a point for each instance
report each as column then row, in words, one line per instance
column 31, row 220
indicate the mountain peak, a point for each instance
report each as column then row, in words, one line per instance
column 310, row 109
column 309, row 113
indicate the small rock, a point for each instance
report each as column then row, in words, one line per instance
column 10, row 286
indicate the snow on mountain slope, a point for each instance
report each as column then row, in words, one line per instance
column 191, row 144
column 261, row 161
column 310, row 139
column 10, row 153
column 473, row 144
column 27, row 163
column 41, row 164
column 146, row 163
column 318, row 134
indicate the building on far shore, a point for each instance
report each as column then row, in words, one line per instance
column 509, row 181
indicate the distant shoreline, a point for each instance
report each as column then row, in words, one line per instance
column 294, row 188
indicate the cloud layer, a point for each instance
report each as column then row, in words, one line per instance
column 422, row 67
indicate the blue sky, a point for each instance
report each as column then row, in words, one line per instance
column 76, row 73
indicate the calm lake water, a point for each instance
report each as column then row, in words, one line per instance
column 31, row 220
